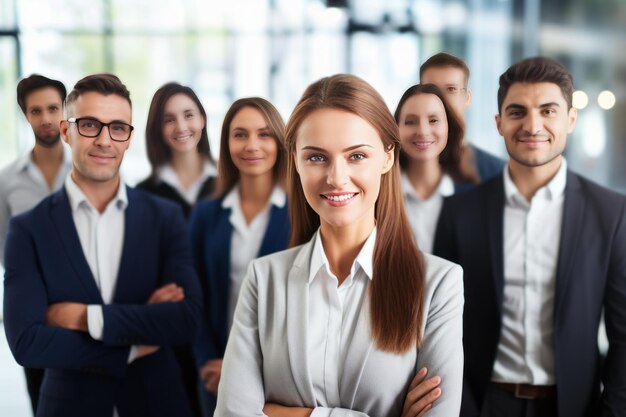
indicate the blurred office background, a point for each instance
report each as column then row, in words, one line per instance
column 275, row 48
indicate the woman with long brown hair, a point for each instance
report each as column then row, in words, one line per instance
column 246, row 219
column 431, row 137
column 341, row 323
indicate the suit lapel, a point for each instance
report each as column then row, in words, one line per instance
column 61, row 214
column 297, row 319
column 276, row 235
column 495, row 220
column 358, row 352
column 132, row 241
column 573, row 210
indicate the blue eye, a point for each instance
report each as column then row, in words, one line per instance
column 358, row 156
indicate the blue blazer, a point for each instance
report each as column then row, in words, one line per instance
column 84, row 377
column 590, row 276
column 487, row 165
column 211, row 234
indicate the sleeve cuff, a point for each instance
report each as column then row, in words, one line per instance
column 95, row 321
column 133, row 353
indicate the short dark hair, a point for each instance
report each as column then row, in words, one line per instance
column 159, row 152
column 536, row 70
column 36, row 82
column 105, row 84
column 444, row 59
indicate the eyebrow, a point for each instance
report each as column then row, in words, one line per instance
column 541, row 106
column 245, row 130
column 349, row 148
column 98, row 120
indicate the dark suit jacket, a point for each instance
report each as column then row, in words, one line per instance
column 84, row 377
column 487, row 165
column 591, row 274
column 163, row 189
column 211, row 234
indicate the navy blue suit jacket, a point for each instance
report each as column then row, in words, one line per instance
column 84, row 377
column 591, row 275
column 211, row 234
column 487, row 165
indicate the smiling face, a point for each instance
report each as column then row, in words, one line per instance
column 423, row 127
column 44, row 112
column 535, row 122
column 96, row 161
column 251, row 143
column 340, row 159
column 182, row 124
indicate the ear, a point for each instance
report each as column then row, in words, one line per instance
column 63, row 130
column 498, row 119
column 389, row 159
column 468, row 98
column 572, row 116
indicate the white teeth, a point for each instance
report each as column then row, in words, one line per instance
column 342, row 197
column 183, row 138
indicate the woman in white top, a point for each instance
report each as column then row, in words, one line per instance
column 178, row 147
column 431, row 137
column 182, row 171
column 341, row 323
column 247, row 219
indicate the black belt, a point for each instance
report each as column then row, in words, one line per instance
column 527, row 391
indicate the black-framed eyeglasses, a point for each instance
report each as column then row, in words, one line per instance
column 91, row 128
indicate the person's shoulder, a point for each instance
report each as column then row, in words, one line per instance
column 477, row 194
column 151, row 203
column 591, row 187
column 442, row 276
column 8, row 171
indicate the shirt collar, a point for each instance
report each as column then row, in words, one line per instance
column 77, row 198
column 552, row 190
column 167, row 174
column 26, row 160
column 278, row 197
column 445, row 187
column 364, row 259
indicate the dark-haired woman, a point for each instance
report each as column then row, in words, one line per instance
column 178, row 147
column 182, row 171
column 431, row 138
column 247, row 219
column 342, row 323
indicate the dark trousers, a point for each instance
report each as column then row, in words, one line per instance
column 187, row 365
column 500, row 403
column 34, row 378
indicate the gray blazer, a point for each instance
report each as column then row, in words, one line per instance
column 266, row 355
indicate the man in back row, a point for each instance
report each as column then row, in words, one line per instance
column 30, row 178
column 543, row 252
column 99, row 278
column 451, row 75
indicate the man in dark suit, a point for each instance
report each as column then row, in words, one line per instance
column 451, row 75
column 99, row 277
column 543, row 251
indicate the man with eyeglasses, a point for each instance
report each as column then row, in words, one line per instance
column 99, row 279
column 451, row 75
column 34, row 175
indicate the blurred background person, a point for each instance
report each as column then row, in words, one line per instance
column 183, row 171
column 247, row 219
column 30, row 178
column 431, row 137
column 178, row 147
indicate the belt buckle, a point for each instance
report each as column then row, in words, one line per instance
column 518, row 393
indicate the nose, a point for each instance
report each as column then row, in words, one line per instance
column 181, row 125
column 252, row 144
column 337, row 175
column 104, row 138
column 533, row 123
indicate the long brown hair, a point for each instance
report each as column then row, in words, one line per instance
column 450, row 157
column 159, row 153
column 397, row 288
column 228, row 173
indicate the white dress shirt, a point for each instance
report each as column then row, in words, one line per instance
column 190, row 194
column 246, row 239
column 23, row 186
column 424, row 214
column 333, row 313
column 532, row 233
column 101, row 238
